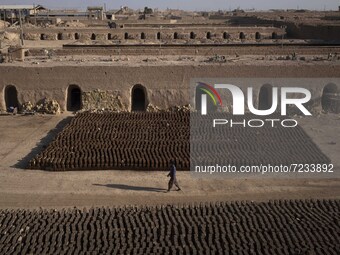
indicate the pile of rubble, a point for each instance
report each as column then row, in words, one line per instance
column 184, row 108
column 45, row 106
column 9, row 38
column 99, row 100
column 153, row 108
column 71, row 24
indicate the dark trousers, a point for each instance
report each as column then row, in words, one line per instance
column 173, row 181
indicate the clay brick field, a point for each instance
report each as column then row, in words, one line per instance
column 148, row 141
column 276, row 227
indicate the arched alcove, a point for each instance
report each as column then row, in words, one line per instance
column 60, row 36
column 109, row 36
column 74, row 101
column 175, row 35
column 242, row 36
column 274, row 35
column 11, row 97
column 93, row 36
column 192, row 35
column 330, row 100
column 225, row 35
column 76, row 36
column 208, row 35
column 142, row 36
column 126, row 36
column 258, row 36
column 266, row 97
column 158, row 36
column 138, row 98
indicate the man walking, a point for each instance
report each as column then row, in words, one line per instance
column 172, row 175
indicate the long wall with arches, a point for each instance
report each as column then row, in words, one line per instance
column 163, row 86
column 154, row 34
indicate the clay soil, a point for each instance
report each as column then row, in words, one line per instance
column 23, row 136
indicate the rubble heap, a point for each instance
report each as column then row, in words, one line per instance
column 46, row 106
column 102, row 100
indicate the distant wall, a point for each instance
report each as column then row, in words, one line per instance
column 166, row 86
column 200, row 33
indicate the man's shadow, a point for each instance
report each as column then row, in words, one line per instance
column 129, row 187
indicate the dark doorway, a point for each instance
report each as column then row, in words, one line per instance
column 208, row 35
column 158, row 36
column 266, row 97
column 225, row 35
column 258, row 36
column 109, row 36
column 138, row 98
column 192, row 35
column 142, row 36
column 126, row 36
column 60, row 36
column 211, row 107
column 93, row 37
column 42, row 37
column 330, row 100
column 76, row 36
column 242, row 36
column 11, row 97
column 175, row 35
column 73, row 98
column 274, row 35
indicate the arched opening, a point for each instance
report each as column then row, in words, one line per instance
column 93, row 36
column 192, row 35
column 42, row 37
column 158, row 36
column 274, row 35
column 208, row 35
column 11, row 97
column 142, row 36
column 138, row 98
column 175, row 35
column 126, row 36
column 73, row 98
column 60, row 36
column 330, row 100
column 225, row 35
column 242, row 36
column 109, row 36
column 266, row 97
column 258, row 36
column 211, row 107
column 76, row 36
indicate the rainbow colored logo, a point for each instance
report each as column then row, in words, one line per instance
column 209, row 90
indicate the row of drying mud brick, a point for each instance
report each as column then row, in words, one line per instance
column 149, row 141
column 276, row 227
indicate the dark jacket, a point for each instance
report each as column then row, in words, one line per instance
column 172, row 173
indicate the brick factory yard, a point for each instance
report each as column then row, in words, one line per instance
column 34, row 188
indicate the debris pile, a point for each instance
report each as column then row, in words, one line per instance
column 27, row 107
column 103, row 101
column 217, row 59
column 45, row 106
column 48, row 106
column 153, row 108
column 9, row 38
column 184, row 108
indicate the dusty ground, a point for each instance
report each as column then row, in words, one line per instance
column 22, row 136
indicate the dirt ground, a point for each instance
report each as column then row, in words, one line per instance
column 23, row 136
